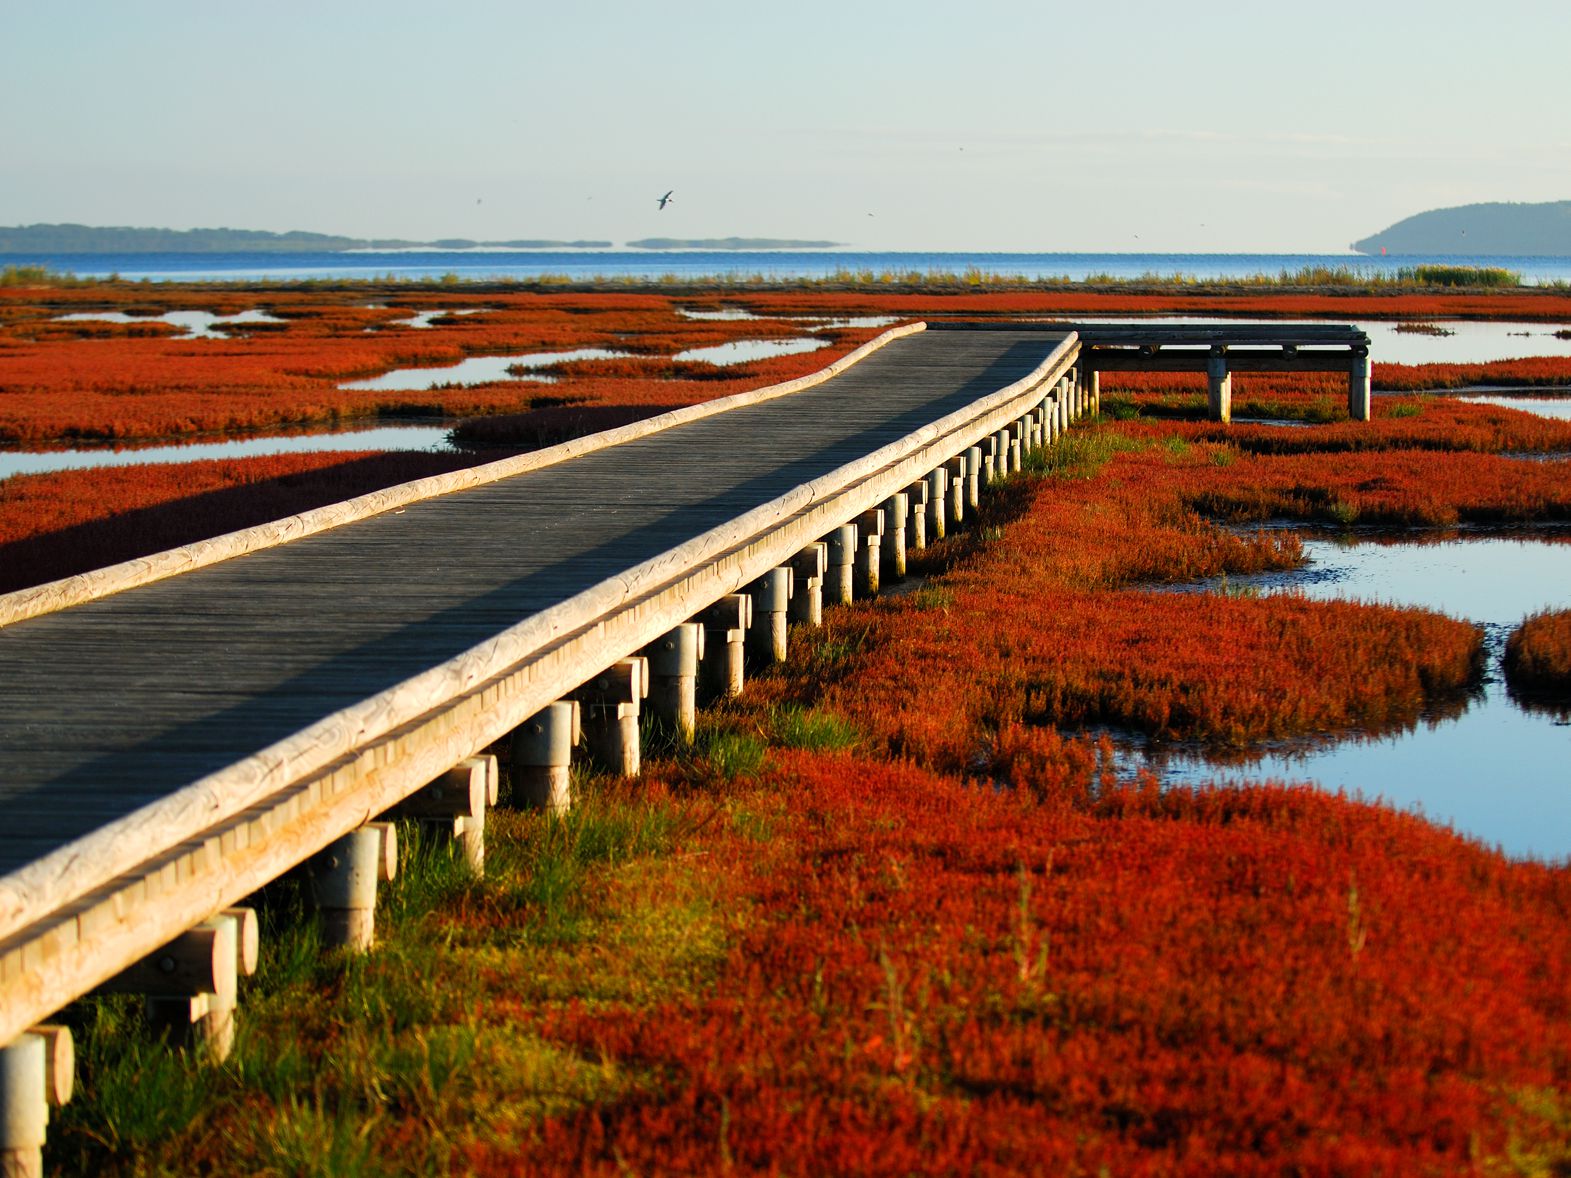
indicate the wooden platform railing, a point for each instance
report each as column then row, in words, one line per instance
column 1219, row 350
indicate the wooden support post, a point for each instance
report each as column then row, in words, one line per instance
column 895, row 510
column 1359, row 407
column 974, row 478
column 1092, row 383
column 540, row 756
column 725, row 633
column 1001, row 467
column 454, row 805
column 1220, row 386
column 1017, row 435
column 990, row 459
column 24, row 1107
column 1050, row 429
column 840, row 576
column 343, row 880
column 916, row 522
column 191, row 985
column 807, row 592
column 1060, row 413
column 870, row 542
column 937, row 503
column 673, row 679
column 1073, row 387
column 955, row 470
column 771, row 607
column 608, row 707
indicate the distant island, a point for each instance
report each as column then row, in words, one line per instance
column 120, row 239
column 1531, row 230
column 730, row 243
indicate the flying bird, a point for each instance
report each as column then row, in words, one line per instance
column 666, row 199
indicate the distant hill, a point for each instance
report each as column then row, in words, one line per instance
column 729, row 243
column 120, row 239
column 1496, row 228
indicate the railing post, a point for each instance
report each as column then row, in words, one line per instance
column 673, row 679
column 1359, row 407
column 1219, row 385
column 840, row 577
column 974, row 478
column 540, row 757
column 895, row 511
column 725, row 634
column 807, row 594
column 771, row 596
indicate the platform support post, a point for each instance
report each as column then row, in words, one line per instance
column 608, row 707
column 895, row 511
column 24, row 1108
column 343, row 882
column 771, row 596
column 1219, row 386
column 937, row 503
column 725, row 633
column 974, row 478
column 840, row 576
column 453, row 807
column 916, row 521
column 870, row 543
column 1358, row 386
column 955, row 469
column 807, row 592
column 673, row 679
column 540, row 758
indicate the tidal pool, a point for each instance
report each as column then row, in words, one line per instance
column 1556, row 407
column 741, row 351
column 1498, row 772
column 382, row 437
column 486, row 369
column 197, row 324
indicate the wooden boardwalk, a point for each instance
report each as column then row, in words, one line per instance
column 167, row 749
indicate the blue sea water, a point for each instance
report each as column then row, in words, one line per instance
column 654, row 265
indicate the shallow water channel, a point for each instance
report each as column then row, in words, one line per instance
column 1499, row 772
column 379, row 438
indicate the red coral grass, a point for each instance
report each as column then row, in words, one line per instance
column 1538, row 655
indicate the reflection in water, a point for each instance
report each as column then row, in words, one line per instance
column 386, row 437
column 1497, row 771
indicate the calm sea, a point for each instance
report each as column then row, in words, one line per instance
column 652, row 266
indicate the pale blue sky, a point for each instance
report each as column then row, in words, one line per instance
column 966, row 124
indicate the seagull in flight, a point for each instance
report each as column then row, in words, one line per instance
column 666, row 199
